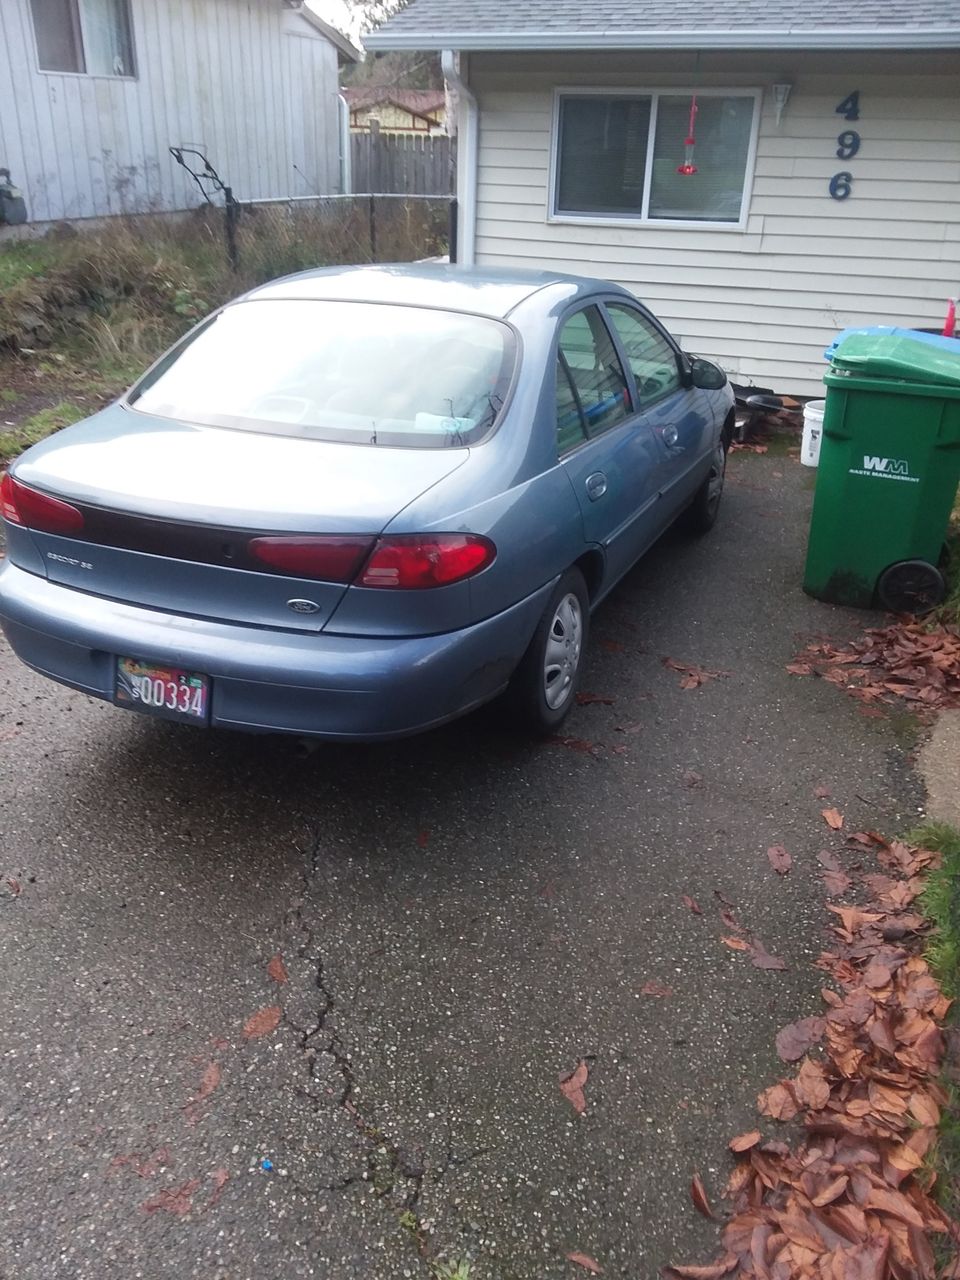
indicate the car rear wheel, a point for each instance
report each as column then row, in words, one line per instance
column 544, row 688
column 701, row 515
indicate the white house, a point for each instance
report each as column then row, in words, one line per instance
column 821, row 189
column 94, row 93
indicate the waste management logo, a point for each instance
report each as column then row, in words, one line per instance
column 885, row 469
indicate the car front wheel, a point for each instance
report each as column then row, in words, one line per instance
column 701, row 515
column 544, row 687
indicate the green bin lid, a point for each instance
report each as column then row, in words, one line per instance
column 891, row 356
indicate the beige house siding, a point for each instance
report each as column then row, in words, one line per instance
column 763, row 301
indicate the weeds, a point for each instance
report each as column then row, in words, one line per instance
column 37, row 427
column 940, row 902
column 89, row 311
column 452, row 1270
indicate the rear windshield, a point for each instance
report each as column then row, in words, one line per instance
column 367, row 373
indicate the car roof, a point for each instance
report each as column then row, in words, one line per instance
column 490, row 291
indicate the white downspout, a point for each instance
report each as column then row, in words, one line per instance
column 346, row 166
column 468, row 139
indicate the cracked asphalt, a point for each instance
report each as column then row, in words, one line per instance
column 462, row 918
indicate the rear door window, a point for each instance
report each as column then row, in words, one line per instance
column 570, row 426
column 588, row 353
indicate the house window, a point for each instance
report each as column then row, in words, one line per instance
column 617, row 155
column 85, row 36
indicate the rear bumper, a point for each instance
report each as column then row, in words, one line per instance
column 346, row 687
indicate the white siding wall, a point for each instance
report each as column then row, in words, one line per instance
column 763, row 301
column 250, row 85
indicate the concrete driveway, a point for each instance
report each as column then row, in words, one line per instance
column 461, row 919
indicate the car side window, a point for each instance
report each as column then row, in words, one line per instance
column 570, row 428
column 595, row 371
column 651, row 358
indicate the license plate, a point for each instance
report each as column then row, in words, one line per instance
column 163, row 691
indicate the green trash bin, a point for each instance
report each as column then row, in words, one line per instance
column 888, row 474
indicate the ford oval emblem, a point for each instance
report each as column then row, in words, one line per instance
column 303, row 606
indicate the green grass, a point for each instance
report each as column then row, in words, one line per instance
column 37, row 427
column 21, row 259
column 940, row 903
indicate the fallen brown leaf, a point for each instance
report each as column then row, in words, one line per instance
column 745, row 1141
column 654, row 988
column 262, row 1022
column 175, row 1200
column 219, row 1178
column 794, row 1040
column 276, row 969
column 692, row 904
column 833, row 818
column 778, row 1102
column 589, row 699
column 698, row 1195
column 761, row 958
column 822, row 793
column 571, row 1086
column 736, row 944
column 584, row 1260
column 713, row 1271
column 836, row 883
column 208, row 1082
column 780, row 859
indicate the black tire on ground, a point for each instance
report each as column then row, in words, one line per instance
column 701, row 515
column 911, row 586
column 544, row 686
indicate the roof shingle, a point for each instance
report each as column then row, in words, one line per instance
column 546, row 24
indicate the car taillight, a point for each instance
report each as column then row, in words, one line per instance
column 36, row 510
column 426, row 560
column 329, row 557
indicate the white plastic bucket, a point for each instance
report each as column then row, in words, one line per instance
column 812, row 431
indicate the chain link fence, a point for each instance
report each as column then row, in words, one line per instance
column 267, row 238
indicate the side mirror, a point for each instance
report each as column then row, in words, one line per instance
column 706, row 375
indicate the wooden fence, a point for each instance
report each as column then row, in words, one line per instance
column 403, row 164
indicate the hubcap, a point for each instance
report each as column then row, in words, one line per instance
column 715, row 479
column 562, row 655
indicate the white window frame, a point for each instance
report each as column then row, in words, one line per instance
column 642, row 218
column 86, row 75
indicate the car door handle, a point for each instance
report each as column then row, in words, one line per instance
column 596, row 486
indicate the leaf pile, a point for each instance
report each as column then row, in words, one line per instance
column 907, row 660
column 852, row 1200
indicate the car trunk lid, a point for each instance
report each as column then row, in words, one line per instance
column 170, row 511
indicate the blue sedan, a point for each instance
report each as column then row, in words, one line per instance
column 359, row 502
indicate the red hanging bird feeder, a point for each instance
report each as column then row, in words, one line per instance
column 689, row 142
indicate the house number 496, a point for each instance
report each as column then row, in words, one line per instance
column 848, row 144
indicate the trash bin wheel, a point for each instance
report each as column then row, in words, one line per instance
column 911, row 586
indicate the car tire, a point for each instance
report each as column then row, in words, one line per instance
column 544, row 687
column 701, row 515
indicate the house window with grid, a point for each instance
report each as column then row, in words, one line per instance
column 617, row 156
column 85, row 37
